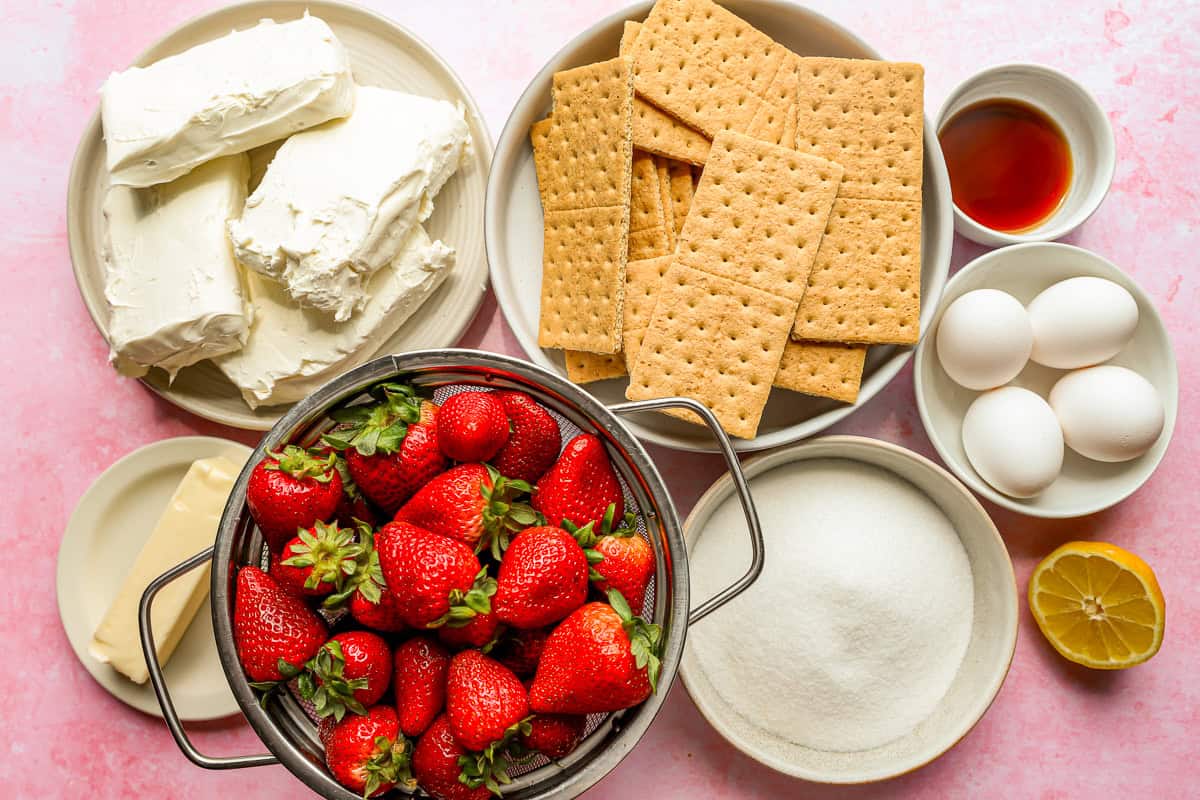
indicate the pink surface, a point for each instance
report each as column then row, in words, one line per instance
column 1056, row 731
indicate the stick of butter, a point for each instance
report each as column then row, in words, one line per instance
column 187, row 526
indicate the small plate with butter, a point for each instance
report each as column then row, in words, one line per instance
column 151, row 509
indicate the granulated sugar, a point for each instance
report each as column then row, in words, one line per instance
column 860, row 619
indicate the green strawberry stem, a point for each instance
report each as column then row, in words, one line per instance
column 324, row 684
column 378, row 427
column 645, row 639
column 464, row 606
column 489, row 767
column 331, row 552
column 389, row 764
column 268, row 688
column 367, row 577
column 300, row 463
column 503, row 516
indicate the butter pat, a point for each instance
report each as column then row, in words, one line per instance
column 292, row 350
column 172, row 285
column 337, row 202
column 223, row 97
column 188, row 526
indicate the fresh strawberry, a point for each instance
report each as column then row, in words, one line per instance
column 436, row 766
column 580, row 486
column 481, row 631
column 601, row 658
column 554, row 735
column 291, row 490
column 380, row 615
column 318, row 561
column 275, row 632
column 390, row 446
column 626, row 560
column 370, row 600
column 350, row 672
column 472, row 503
column 472, row 426
column 367, row 754
column 420, row 681
column 442, row 582
column 521, row 650
column 543, row 578
column 485, row 701
column 534, row 441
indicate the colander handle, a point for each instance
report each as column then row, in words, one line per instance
column 739, row 484
column 146, row 631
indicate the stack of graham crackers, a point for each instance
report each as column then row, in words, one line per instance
column 723, row 216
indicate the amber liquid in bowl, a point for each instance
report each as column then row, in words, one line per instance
column 1009, row 164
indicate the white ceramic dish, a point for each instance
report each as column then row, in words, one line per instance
column 1085, row 486
column 107, row 530
column 1082, row 120
column 985, row 663
column 514, row 228
column 382, row 54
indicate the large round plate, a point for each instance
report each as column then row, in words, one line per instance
column 382, row 54
column 106, row 532
column 514, row 227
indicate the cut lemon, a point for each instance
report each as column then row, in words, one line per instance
column 1099, row 605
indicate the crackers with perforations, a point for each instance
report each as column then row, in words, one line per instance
column 648, row 220
column 682, row 190
column 822, row 369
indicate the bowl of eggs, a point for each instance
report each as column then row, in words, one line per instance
column 1047, row 382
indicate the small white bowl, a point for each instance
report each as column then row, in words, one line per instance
column 1084, row 486
column 1082, row 120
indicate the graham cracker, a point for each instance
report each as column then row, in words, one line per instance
column 682, row 190
column 668, row 201
column 656, row 131
column 648, row 221
column 642, row 281
column 869, row 117
column 583, row 160
column 714, row 340
column 822, row 369
column 866, row 284
column 584, row 367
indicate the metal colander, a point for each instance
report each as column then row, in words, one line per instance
column 285, row 724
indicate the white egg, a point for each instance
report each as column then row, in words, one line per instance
column 1013, row 441
column 984, row 339
column 1081, row 321
column 1108, row 413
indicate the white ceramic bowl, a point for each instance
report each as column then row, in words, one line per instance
column 1082, row 120
column 513, row 228
column 986, row 660
column 1085, row 486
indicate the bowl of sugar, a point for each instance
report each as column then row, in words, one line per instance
column 883, row 623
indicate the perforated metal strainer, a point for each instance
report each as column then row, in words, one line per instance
column 285, row 726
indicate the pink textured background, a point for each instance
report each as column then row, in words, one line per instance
column 1056, row 731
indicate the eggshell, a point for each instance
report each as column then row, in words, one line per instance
column 1013, row 441
column 1081, row 321
column 984, row 339
column 1108, row 413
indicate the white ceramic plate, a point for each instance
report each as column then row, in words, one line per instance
column 514, row 228
column 107, row 530
column 1024, row 270
column 985, row 663
column 382, row 54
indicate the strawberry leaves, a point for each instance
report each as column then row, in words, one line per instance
column 378, row 427
column 324, row 684
column 465, row 605
column 489, row 767
column 645, row 639
column 300, row 463
column 503, row 516
column 389, row 764
column 329, row 551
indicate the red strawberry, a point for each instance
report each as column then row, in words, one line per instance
column 436, row 768
column 390, row 446
column 555, row 735
column 480, row 631
column 439, row 579
column 601, row 658
column 580, row 486
column 534, row 441
column 471, row 503
column 521, row 650
column 472, row 426
column 291, row 490
column 543, row 578
column 420, row 680
column 371, row 602
column 275, row 632
column 367, row 754
column 627, row 560
column 350, row 672
column 381, row 615
column 318, row 561
column 485, row 701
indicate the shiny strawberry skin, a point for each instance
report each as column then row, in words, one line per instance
column 389, row 479
column 420, row 668
column 427, row 566
column 282, row 504
column 472, row 426
column 450, row 504
column 534, row 442
column 521, row 650
column 628, row 566
column 543, row 578
column 271, row 624
column 353, row 742
column 580, row 486
column 483, row 699
column 382, row 616
column 479, row 631
column 367, row 656
column 436, row 768
column 555, row 735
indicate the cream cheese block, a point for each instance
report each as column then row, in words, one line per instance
column 172, row 285
column 293, row 350
column 337, row 202
column 223, row 97
column 186, row 527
